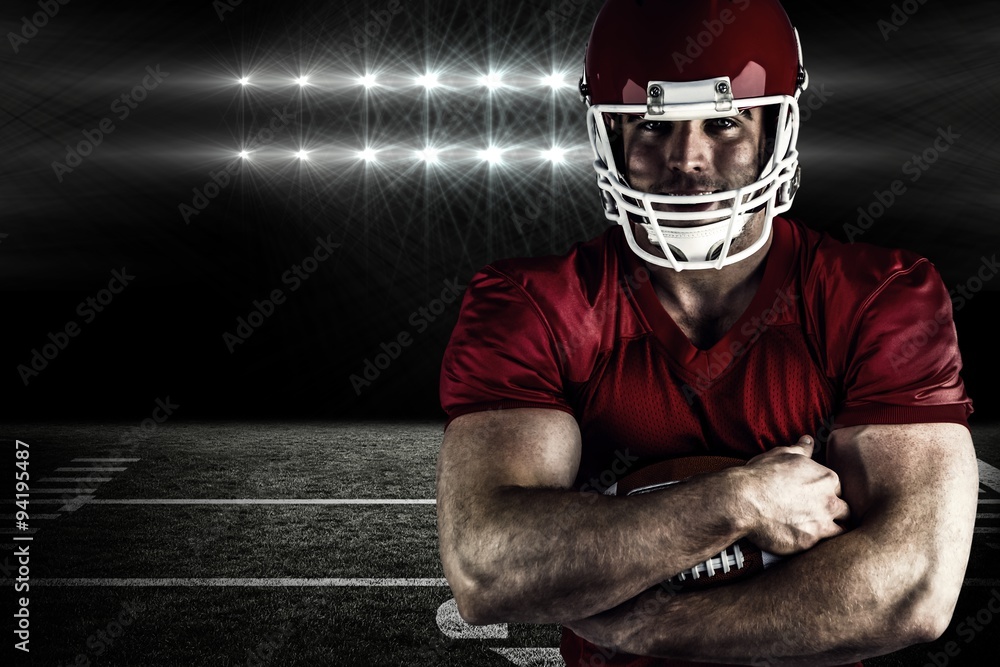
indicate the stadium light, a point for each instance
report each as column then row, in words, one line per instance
column 555, row 155
column 493, row 155
column 491, row 80
column 428, row 80
column 429, row 155
column 554, row 81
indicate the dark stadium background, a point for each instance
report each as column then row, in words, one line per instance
column 263, row 455
column 879, row 97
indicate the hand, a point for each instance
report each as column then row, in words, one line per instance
column 792, row 502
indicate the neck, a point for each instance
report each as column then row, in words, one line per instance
column 705, row 304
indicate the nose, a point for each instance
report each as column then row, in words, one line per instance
column 687, row 148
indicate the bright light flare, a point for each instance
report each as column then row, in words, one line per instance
column 493, row 154
column 493, row 80
column 302, row 155
column 554, row 81
column 367, row 80
column 428, row 80
column 244, row 80
column 244, row 154
column 555, row 155
column 303, row 81
column 429, row 155
column 368, row 154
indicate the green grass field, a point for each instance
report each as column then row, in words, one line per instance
column 119, row 583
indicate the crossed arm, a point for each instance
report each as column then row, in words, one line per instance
column 516, row 542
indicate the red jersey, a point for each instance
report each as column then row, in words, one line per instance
column 836, row 335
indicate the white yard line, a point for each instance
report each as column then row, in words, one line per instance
column 981, row 582
column 240, row 582
column 76, row 491
column 989, row 476
column 262, row 501
column 246, row 582
column 108, row 460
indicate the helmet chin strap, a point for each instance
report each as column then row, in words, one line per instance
column 697, row 244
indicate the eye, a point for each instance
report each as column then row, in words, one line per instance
column 653, row 126
column 723, row 123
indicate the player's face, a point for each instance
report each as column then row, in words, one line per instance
column 693, row 157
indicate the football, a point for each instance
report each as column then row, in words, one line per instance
column 737, row 561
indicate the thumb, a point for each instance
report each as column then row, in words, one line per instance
column 804, row 446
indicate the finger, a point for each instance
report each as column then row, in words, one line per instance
column 804, row 446
column 833, row 530
column 843, row 512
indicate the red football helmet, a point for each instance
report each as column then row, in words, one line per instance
column 670, row 60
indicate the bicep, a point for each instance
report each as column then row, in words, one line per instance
column 484, row 452
column 525, row 447
column 932, row 465
column 913, row 490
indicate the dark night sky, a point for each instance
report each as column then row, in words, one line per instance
column 403, row 230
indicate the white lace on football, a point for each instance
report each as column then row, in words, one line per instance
column 728, row 559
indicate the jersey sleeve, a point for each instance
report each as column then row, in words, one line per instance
column 501, row 353
column 903, row 362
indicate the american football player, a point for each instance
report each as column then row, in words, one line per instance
column 705, row 321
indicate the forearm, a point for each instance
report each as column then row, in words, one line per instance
column 891, row 582
column 524, row 554
column 845, row 600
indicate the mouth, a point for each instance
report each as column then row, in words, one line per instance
column 685, row 208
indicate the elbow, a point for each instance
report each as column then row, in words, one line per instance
column 474, row 608
column 478, row 591
column 923, row 628
column 928, row 614
column 926, row 625
column 477, row 603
